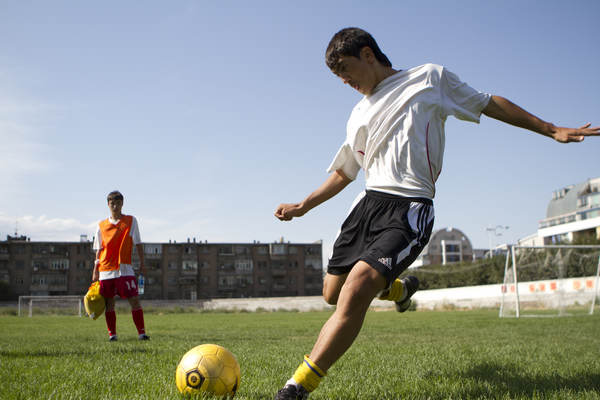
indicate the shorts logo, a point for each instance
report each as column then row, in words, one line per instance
column 387, row 261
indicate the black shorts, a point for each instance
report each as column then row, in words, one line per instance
column 386, row 231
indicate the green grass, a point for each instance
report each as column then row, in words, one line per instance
column 417, row 355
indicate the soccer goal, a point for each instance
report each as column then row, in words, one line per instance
column 54, row 304
column 550, row 281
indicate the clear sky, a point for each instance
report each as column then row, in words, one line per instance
column 207, row 115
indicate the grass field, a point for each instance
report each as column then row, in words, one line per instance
column 416, row 355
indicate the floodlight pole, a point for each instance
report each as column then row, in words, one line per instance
column 495, row 230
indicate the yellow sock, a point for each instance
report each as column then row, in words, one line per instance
column 308, row 374
column 394, row 293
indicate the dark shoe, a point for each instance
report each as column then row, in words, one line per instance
column 411, row 285
column 291, row 392
column 143, row 336
column 112, row 338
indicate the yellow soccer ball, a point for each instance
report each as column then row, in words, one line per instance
column 208, row 368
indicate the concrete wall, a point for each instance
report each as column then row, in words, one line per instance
column 575, row 291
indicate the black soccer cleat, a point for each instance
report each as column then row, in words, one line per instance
column 143, row 336
column 411, row 285
column 112, row 338
column 292, row 392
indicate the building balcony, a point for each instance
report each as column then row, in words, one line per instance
column 186, row 281
column 189, row 272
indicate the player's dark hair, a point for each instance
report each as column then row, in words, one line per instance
column 114, row 195
column 349, row 42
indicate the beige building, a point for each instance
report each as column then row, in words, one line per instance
column 174, row 270
column 573, row 214
column 446, row 246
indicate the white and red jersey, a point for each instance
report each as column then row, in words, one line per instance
column 396, row 134
column 116, row 239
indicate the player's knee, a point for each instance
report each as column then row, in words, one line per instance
column 110, row 304
column 134, row 302
column 330, row 297
column 360, row 292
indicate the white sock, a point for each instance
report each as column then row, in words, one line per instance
column 291, row 381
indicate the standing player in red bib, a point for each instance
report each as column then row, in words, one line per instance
column 396, row 134
column 114, row 241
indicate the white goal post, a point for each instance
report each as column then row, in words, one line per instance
column 548, row 281
column 29, row 300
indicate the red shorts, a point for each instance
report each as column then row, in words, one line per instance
column 124, row 286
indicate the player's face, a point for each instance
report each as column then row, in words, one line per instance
column 115, row 205
column 358, row 73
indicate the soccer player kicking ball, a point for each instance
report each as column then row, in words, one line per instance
column 396, row 134
column 114, row 241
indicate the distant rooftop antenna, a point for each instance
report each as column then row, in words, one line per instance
column 16, row 228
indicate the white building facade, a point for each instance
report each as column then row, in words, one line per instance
column 573, row 214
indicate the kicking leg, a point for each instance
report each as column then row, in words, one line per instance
column 332, row 285
column 338, row 333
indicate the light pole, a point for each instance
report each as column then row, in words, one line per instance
column 495, row 231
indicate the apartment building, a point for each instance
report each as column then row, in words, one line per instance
column 572, row 214
column 190, row 270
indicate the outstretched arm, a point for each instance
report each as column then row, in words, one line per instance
column 332, row 186
column 506, row 111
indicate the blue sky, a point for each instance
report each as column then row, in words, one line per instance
column 207, row 115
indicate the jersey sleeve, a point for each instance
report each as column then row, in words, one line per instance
column 135, row 232
column 344, row 160
column 461, row 100
column 97, row 238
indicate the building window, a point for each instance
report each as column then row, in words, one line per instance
column 59, row 264
column 189, row 250
column 312, row 251
column 452, row 248
column 152, row 249
column 315, row 263
column 243, row 265
column 242, row 250
column 226, row 250
column 261, row 250
column 452, row 258
column 278, row 249
column 190, row 266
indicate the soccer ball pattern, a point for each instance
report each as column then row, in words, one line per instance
column 208, row 368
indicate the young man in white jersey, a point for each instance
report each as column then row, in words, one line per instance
column 396, row 134
column 114, row 241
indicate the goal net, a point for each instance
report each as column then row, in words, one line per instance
column 550, row 281
column 67, row 305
